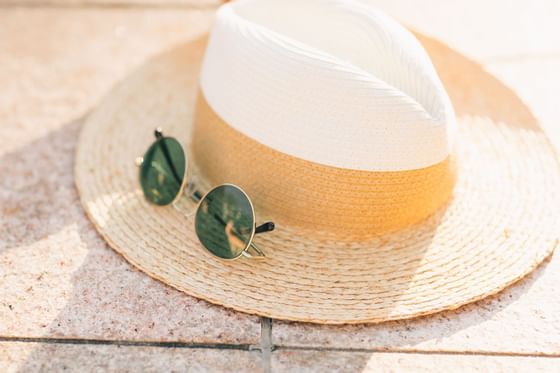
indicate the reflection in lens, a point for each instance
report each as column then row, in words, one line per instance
column 225, row 221
column 162, row 171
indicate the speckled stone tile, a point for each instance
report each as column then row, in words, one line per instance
column 57, row 67
column 58, row 278
column 48, row 357
column 328, row 361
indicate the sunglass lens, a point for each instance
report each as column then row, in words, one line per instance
column 162, row 171
column 225, row 221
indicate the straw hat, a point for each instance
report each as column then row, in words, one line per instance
column 332, row 118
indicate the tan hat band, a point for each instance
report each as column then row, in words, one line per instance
column 347, row 203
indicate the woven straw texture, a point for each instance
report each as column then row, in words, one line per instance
column 499, row 225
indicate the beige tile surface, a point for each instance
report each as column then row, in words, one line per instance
column 329, row 361
column 56, row 63
column 57, row 276
column 51, row 357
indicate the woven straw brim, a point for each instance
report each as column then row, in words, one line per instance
column 500, row 224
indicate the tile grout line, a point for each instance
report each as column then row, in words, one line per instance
column 109, row 5
column 116, row 342
column 265, row 346
column 412, row 351
column 266, row 343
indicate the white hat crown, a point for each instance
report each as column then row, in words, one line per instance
column 329, row 81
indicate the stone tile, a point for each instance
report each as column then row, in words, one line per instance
column 484, row 29
column 57, row 67
column 329, row 361
column 522, row 319
column 58, row 278
column 49, row 357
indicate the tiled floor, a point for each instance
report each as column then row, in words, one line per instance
column 68, row 301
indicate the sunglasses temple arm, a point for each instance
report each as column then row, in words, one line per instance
column 257, row 253
column 266, row 227
column 196, row 196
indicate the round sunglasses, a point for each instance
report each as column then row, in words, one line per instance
column 225, row 217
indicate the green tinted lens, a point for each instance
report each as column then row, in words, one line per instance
column 225, row 222
column 162, row 171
